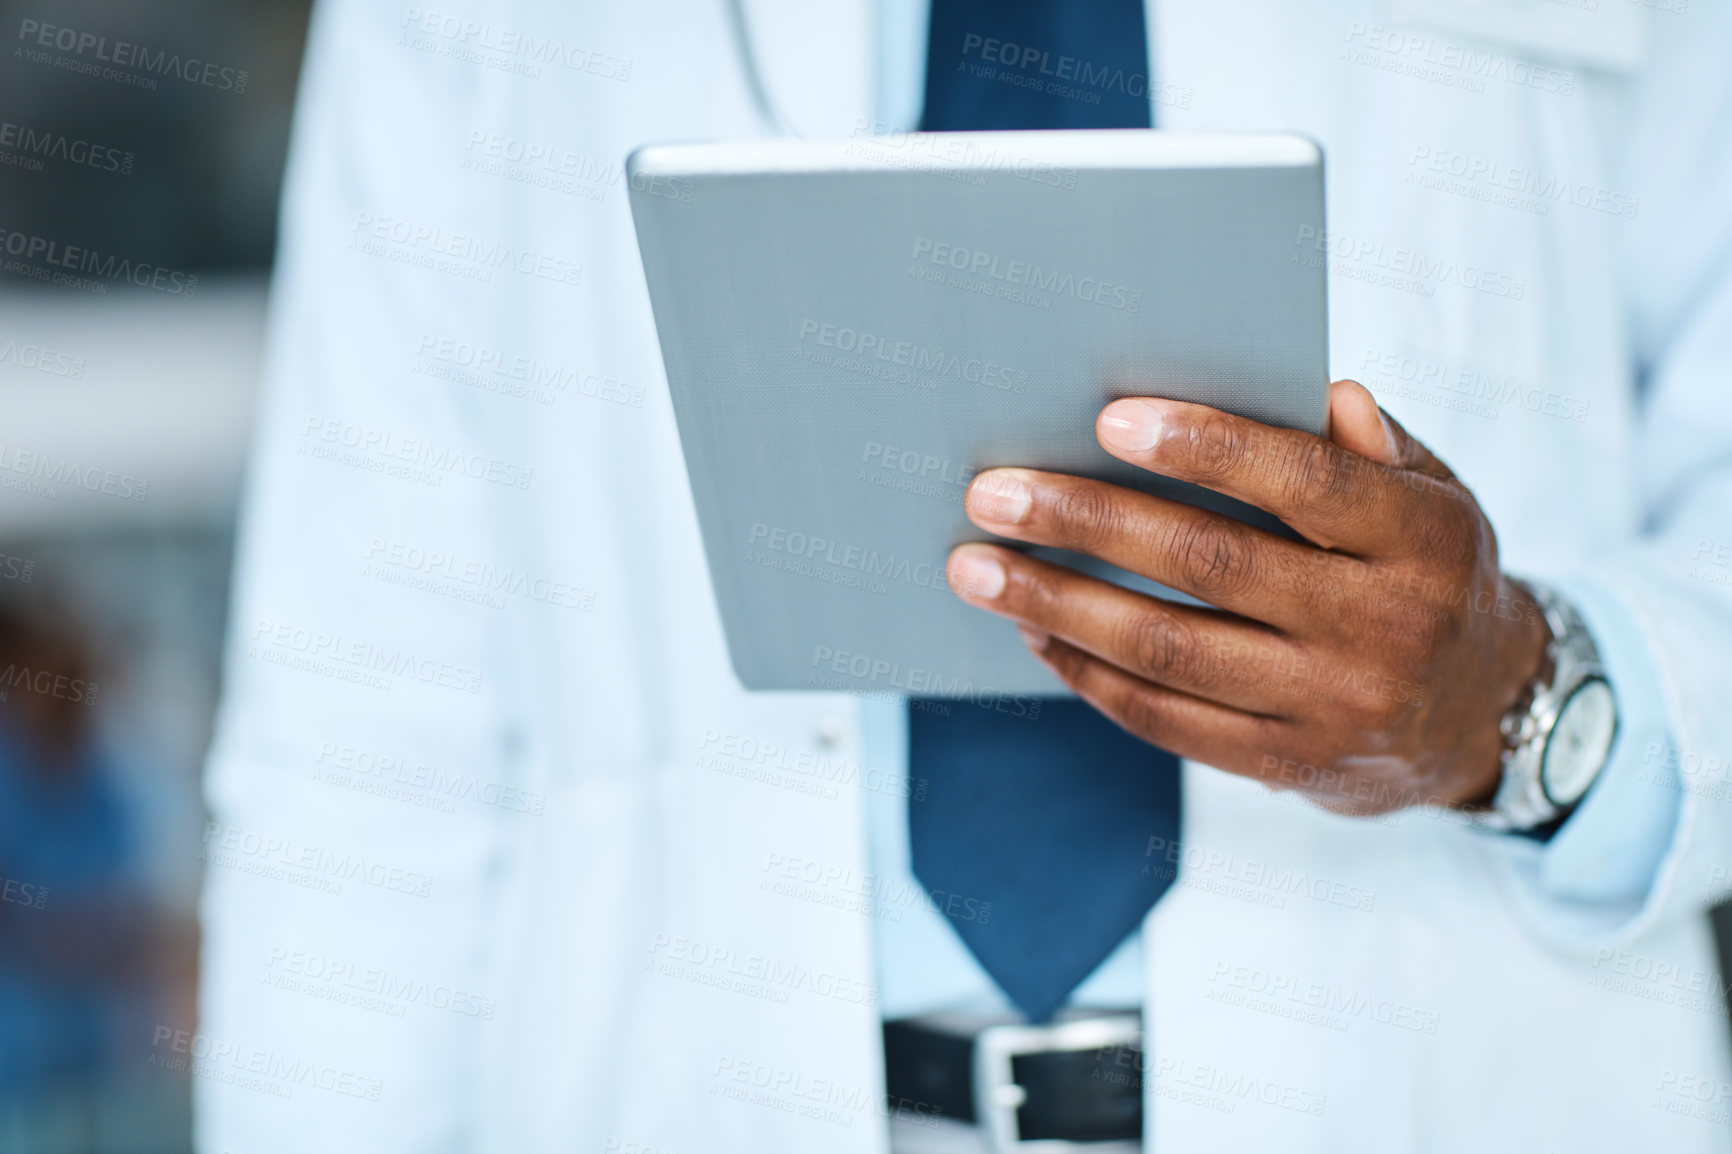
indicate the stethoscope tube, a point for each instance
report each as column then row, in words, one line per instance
column 762, row 102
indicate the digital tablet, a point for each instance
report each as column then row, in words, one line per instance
column 853, row 329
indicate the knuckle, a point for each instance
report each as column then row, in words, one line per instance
column 1213, row 557
column 1371, row 700
column 1161, row 648
column 1390, row 704
column 1082, row 514
column 1385, row 712
column 1320, row 478
column 1370, row 714
column 1218, row 446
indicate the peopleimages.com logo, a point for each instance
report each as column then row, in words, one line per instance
column 928, row 366
column 844, row 671
column 23, row 146
column 132, row 63
column 42, row 360
column 1024, row 275
column 82, row 264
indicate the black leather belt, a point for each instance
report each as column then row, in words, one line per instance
column 1077, row 1080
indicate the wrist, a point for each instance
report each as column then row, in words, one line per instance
column 1524, row 664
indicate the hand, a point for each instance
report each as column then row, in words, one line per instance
column 1367, row 666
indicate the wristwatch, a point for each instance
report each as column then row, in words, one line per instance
column 1557, row 739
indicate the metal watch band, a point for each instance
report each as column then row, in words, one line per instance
column 1521, row 802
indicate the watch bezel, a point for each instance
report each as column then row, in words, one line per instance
column 1563, row 708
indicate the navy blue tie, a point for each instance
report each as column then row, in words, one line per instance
column 1000, row 64
column 1054, row 819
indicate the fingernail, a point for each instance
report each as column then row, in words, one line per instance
column 1033, row 638
column 976, row 574
column 1388, row 434
column 1132, row 426
column 1000, row 495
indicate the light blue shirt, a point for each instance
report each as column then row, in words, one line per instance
column 1606, row 854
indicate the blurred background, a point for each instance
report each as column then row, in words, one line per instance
column 138, row 199
column 137, row 225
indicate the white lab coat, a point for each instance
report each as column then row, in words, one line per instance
column 496, row 834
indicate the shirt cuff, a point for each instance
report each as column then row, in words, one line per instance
column 1608, row 852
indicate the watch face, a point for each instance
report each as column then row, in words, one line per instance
column 1579, row 742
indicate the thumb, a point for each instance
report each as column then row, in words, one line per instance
column 1357, row 423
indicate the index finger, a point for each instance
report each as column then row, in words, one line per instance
column 1332, row 496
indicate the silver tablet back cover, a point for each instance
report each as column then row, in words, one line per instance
column 852, row 329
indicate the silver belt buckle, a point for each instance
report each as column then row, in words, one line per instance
column 997, row 1095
